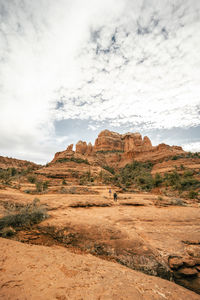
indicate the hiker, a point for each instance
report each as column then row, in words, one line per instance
column 110, row 192
column 115, row 196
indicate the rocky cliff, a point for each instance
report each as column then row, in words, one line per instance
column 118, row 149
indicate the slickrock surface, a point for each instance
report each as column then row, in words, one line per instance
column 42, row 273
column 135, row 231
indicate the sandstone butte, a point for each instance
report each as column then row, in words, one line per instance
column 114, row 150
column 119, row 149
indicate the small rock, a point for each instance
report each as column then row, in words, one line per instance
column 175, row 263
column 188, row 262
column 188, row 272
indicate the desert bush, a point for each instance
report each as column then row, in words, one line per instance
column 19, row 217
column 193, row 155
column 136, row 173
column 64, row 182
column 75, row 174
column 177, row 202
column 86, row 178
column 7, row 232
column 6, row 175
column 27, row 191
column 157, row 180
column 109, row 151
column 74, row 159
column 31, row 178
column 109, row 169
column 188, row 173
column 41, row 186
column 192, row 194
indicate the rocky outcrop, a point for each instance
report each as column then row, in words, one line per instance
column 8, row 162
column 70, row 148
column 109, row 141
column 112, row 141
column 81, row 147
column 112, row 148
column 186, row 269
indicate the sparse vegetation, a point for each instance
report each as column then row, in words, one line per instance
column 31, row 178
column 41, row 186
column 138, row 174
column 109, row 169
column 192, row 194
column 19, row 217
column 109, row 151
column 6, row 175
column 74, row 159
column 86, row 178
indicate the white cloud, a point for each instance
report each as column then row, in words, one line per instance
column 118, row 61
column 193, row 147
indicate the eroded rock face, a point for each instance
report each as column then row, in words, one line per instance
column 186, row 268
column 108, row 141
column 112, row 148
column 81, row 147
column 70, row 148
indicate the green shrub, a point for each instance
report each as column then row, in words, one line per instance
column 64, row 182
column 86, row 178
column 175, row 157
column 157, row 180
column 109, row 169
column 7, row 232
column 28, row 215
column 188, row 173
column 137, row 173
column 74, row 159
column 32, row 178
column 192, row 195
column 109, row 151
column 41, row 186
column 177, row 202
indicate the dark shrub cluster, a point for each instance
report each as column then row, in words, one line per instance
column 74, row 159
column 18, row 218
column 109, row 169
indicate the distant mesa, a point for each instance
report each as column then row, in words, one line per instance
column 129, row 145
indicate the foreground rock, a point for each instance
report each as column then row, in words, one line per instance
column 157, row 240
column 43, row 273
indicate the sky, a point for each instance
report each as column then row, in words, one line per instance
column 71, row 68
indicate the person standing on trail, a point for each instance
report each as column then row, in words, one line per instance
column 110, row 192
column 115, row 196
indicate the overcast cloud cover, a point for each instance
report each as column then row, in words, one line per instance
column 70, row 68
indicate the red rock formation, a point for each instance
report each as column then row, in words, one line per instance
column 81, row 147
column 127, row 146
column 89, row 149
column 70, row 148
column 8, row 162
column 108, row 141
